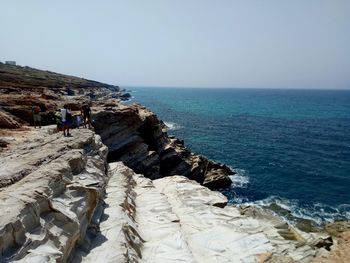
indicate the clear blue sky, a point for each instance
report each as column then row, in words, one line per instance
column 225, row 43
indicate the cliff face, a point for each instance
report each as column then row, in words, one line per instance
column 127, row 192
column 65, row 203
column 135, row 136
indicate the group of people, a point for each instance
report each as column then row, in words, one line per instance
column 65, row 119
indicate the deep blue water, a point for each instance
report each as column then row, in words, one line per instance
column 291, row 147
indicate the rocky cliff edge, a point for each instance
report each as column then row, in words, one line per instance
column 126, row 192
column 66, row 203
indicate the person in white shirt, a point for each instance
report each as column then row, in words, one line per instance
column 79, row 121
column 66, row 115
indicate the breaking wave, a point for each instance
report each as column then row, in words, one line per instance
column 286, row 208
column 240, row 179
column 317, row 212
column 172, row 126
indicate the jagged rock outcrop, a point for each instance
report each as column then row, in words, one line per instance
column 340, row 251
column 75, row 207
column 51, row 197
column 135, row 136
column 61, row 201
column 3, row 143
column 174, row 219
column 7, row 121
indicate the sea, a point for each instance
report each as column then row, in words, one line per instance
column 289, row 148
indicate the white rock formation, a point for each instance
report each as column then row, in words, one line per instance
column 46, row 215
column 117, row 239
column 174, row 219
column 63, row 203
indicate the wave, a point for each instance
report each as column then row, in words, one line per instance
column 240, row 179
column 172, row 126
column 317, row 212
column 290, row 210
column 128, row 101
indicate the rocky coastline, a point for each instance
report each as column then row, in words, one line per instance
column 126, row 191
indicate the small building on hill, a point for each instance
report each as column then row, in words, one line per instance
column 13, row 63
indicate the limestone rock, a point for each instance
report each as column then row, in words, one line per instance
column 337, row 228
column 3, row 143
column 216, row 234
column 51, row 196
column 116, row 239
column 135, row 136
column 74, row 207
column 340, row 251
column 60, row 200
column 7, row 121
column 174, row 219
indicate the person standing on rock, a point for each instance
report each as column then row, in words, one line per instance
column 36, row 115
column 66, row 115
column 86, row 112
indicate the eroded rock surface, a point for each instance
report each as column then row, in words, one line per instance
column 60, row 200
column 116, row 239
column 47, row 213
column 174, row 219
column 74, row 207
column 135, row 136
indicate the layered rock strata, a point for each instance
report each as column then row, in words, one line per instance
column 47, row 213
column 61, row 201
column 75, row 207
column 135, row 136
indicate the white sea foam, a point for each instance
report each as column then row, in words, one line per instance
column 240, row 179
column 316, row 212
column 172, row 126
column 127, row 100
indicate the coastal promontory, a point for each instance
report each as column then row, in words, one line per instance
column 125, row 191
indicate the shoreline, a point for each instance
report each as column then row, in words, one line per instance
column 219, row 147
column 63, row 196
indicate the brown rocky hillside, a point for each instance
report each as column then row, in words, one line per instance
column 23, row 87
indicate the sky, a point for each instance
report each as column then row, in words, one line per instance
column 183, row 43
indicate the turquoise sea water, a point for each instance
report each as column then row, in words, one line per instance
column 289, row 147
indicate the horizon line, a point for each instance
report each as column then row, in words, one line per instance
column 231, row 87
